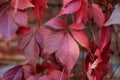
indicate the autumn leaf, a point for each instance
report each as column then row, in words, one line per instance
column 56, row 23
column 77, row 26
column 68, row 52
column 52, row 42
column 57, row 75
column 30, row 43
column 61, row 44
column 20, row 17
column 21, row 4
column 9, row 20
column 51, row 73
column 72, row 7
column 98, row 67
column 39, row 5
column 82, row 15
column 16, row 73
column 81, row 38
column 74, row 27
column 8, row 27
column 97, row 14
column 104, row 41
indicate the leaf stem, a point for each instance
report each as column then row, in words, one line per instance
column 72, row 17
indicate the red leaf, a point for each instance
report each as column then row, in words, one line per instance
column 39, row 37
column 68, row 52
column 77, row 26
column 28, row 71
column 25, row 33
column 45, row 78
column 20, row 17
column 21, row 4
column 32, row 51
column 81, row 38
column 56, row 23
column 15, row 73
column 52, row 42
column 82, row 14
column 38, row 9
column 57, row 75
column 30, row 42
column 45, row 32
column 7, row 25
column 98, row 60
column 97, row 15
column 73, row 7
column 104, row 31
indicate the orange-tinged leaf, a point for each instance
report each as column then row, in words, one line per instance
column 81, row 38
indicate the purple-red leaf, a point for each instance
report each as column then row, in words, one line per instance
column 31, row 51
column 68, row 52
column 52, row 42
column 15, row 73
column 8, row 27
column 30, row 42
column 20, row 17
column 71, row 8
column 25, row 34
column 56, row 23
